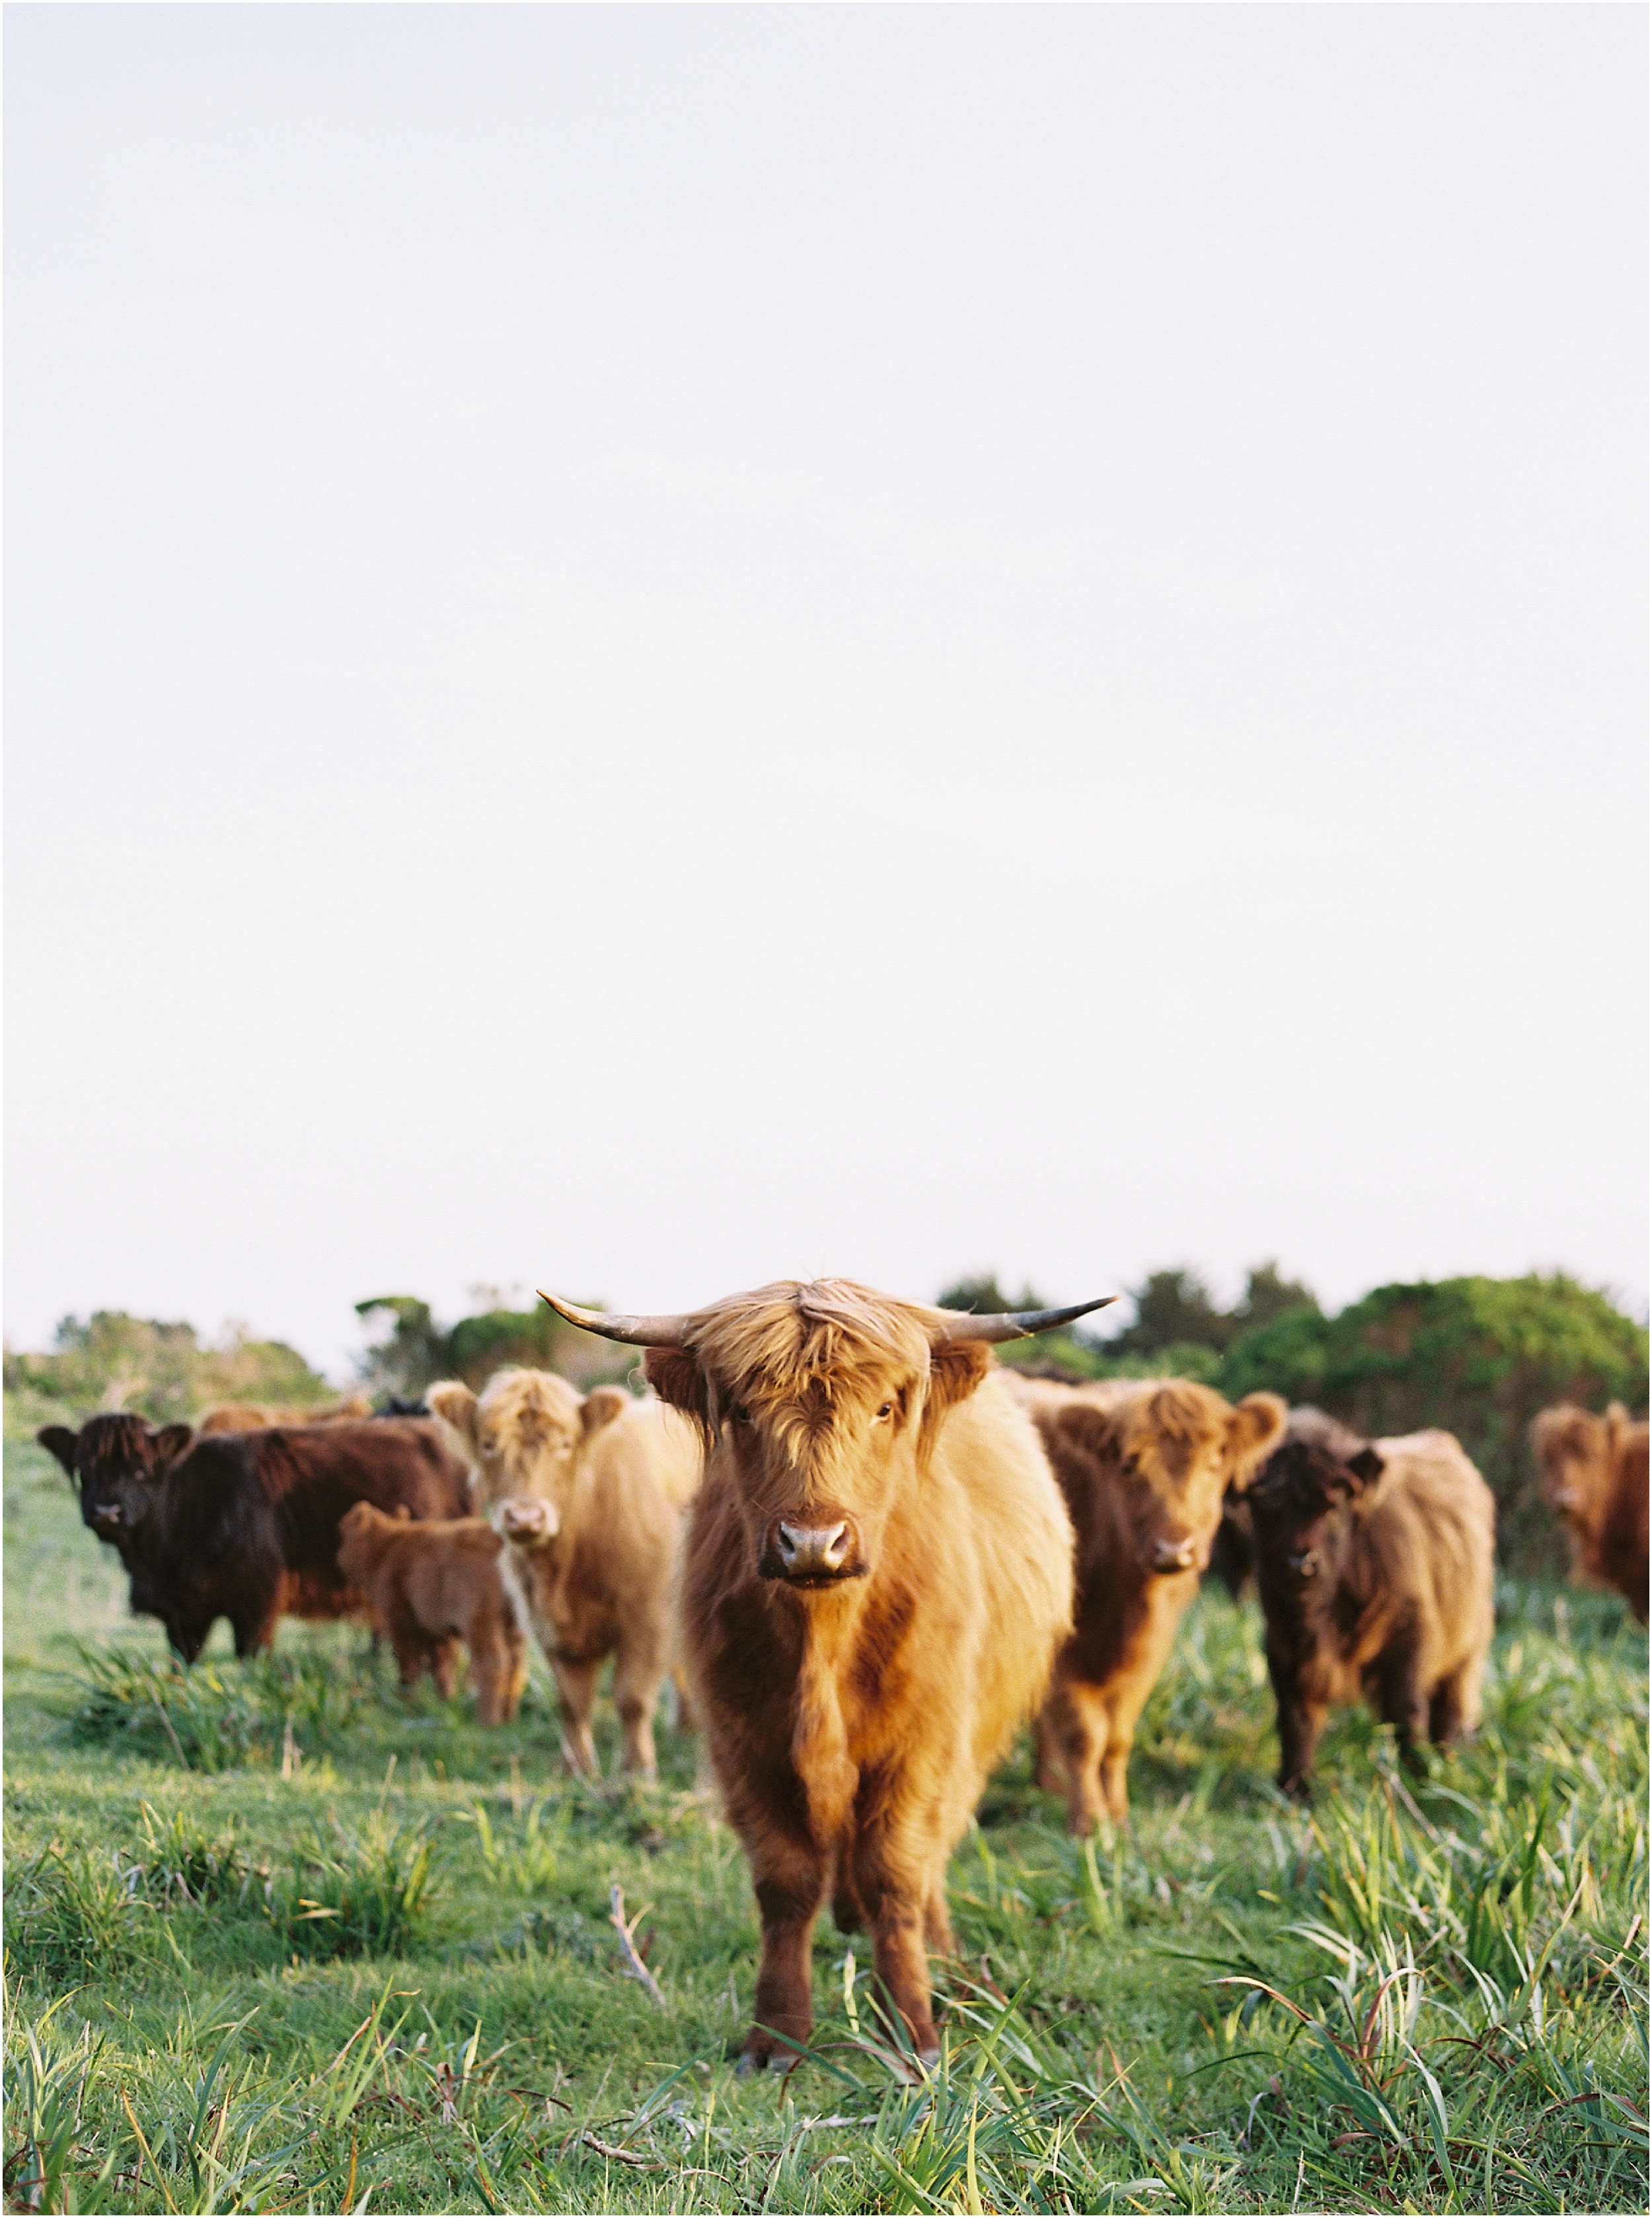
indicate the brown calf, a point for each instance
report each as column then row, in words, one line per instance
column 433, row 1585
column 875, row 1576
column 1374, row 1563
column 1594, row 1478
column 1144, row 1465
column 589, row 1491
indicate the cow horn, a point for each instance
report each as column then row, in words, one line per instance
column 1012, row 1324
column 641, row 1332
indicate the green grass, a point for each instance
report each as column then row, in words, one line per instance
column 279, row 1939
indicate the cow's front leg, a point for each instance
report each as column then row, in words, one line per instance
column 790, row 1884
column 1300, row 1722
column 576, row 1684
column 1079, row 1715
column 899, row 1904
column 636, row 1691
column 256, row 1611
column 1404, row 1705
column 1048, row 1770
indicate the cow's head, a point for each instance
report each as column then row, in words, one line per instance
column 522, row 1435
column 1300, row 1499
column 818, row 1402
column 1574, row 1451
column 1175, row 1449
column 362, row 1531
column 114, row 1464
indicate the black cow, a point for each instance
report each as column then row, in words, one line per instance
column 231, row 1524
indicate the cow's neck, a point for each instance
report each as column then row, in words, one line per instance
column 831, row 1632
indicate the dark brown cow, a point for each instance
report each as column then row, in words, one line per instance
column 1144, row 1465
column 1374, row 1562
column 1595, row 1478
column 876, row 1572
column 433, row 1584
column 218, row 1527
column 304, row 1594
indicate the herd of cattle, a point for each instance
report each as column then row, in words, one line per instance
column 867, row 1552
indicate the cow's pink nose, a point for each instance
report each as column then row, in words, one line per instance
column 529, row 1520
column 810, row 1550
column 1173, row 1555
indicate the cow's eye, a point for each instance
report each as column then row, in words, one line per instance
column 887, row 1410
column 739, row 1415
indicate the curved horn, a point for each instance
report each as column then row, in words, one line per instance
column 1012, row 1324
column 641, row 1332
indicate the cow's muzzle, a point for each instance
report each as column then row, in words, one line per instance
column 1167, row 1555
column 107, row 1515
column 1304, row 1565
column 813, row 1555
column 530, row 1524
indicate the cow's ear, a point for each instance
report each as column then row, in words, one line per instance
column 1367, row 1467
column 1616, row 1422
column 601, row 1406
column 1254, row 1430
column 61, row 1441
column 453, row 1402
column 169, row 1442
column 1088, row 1427
column 955, row 1369
column 676, row 1376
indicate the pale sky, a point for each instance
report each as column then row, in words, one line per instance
column 649, row 649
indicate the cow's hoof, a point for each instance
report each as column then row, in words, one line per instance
column 929, row 2058
column 746, row 2066
column 782, row 2061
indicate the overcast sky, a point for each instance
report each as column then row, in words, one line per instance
column 648, row 649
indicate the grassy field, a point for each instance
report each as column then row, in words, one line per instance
column 277, row 1940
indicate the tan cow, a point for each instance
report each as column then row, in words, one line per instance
column 255, row 1417
column 590, row 1568
column 875, row 1577
column 1144, row 1465
column 433, row 1584
column 1595, row 1478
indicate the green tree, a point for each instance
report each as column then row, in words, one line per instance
column 1478, row 1357
column 416, row 1350
column 1172, row 1309
column 160, row 1369
column 1267, row 1297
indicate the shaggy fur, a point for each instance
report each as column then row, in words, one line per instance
column 592, row 1579
column 1594, row 1478
column 1144, row 1466
column 433, row 1585
column 1375, row 1568
column 237, row 1524
column 856, row 1690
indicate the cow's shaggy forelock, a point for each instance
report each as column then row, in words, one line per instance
column 525, row 1409
column 805, row 1356
column 112, row 1447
